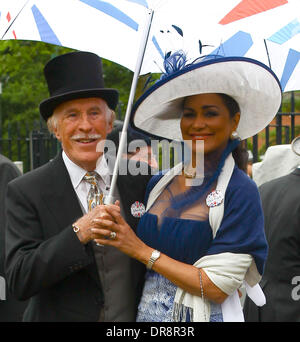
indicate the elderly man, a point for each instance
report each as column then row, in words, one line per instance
column 51, row 256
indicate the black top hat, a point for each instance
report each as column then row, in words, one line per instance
column 75, row 75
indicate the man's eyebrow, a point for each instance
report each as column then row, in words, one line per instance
column 95, row 108
column 70, row 110
column 74, row 109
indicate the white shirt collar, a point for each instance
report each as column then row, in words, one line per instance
column 77, row 173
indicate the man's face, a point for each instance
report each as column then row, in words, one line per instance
column 81, row 124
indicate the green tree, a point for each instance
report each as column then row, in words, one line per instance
column 118, row 77
column 21, row 75
column 24, row 86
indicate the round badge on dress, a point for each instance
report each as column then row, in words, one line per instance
column 214, row 199
column 137, row 209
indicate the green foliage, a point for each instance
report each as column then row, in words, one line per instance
column 24, row 86
column 21, row 75
column 118, row 77
column 287, row 100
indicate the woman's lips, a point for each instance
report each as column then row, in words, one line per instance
column 200, row 136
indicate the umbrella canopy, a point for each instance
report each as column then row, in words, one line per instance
column 109, row 29
column 266, row 30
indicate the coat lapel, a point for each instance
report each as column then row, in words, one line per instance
column 63, row 202
column 60, row 195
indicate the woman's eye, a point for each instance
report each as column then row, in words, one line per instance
column 188, row 114
column 211, row 113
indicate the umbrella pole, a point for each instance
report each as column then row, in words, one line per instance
column 10, row 25
column 266, row 46
column 110, row 199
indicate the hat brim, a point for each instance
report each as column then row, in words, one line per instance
column 111, row 96
column 252, row 84
column 295, row 144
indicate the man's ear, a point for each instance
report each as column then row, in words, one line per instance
column 110, row 123
column 109, row 127
column 56, row 133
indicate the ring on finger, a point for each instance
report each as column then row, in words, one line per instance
column 113, row 235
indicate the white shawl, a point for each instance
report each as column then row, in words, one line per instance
column 227, row 271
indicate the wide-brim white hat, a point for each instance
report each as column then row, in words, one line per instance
column 279, row 160
column 252, row 84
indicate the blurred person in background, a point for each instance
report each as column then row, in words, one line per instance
column 11, row 310
column 281, row 279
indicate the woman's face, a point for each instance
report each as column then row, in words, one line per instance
column 206, row 117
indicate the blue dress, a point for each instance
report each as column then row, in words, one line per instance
column 185, row 240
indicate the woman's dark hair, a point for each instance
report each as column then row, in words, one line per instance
column 230, row 104
column 239, row 154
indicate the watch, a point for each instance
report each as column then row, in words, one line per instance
column 154, row 256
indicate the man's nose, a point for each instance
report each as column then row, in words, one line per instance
column 84, row 123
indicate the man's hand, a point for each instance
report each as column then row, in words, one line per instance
column 86, row 222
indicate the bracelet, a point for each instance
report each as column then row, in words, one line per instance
column 201, row 284
column 202, row 292
column 75, row 228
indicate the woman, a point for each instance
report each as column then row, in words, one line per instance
column 198, row 244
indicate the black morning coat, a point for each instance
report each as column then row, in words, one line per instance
column 45, row 261
column 11, row 310
column 280, row 282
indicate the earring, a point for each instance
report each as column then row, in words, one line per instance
column 234, row 135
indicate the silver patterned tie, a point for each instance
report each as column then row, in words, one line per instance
column 95, row 196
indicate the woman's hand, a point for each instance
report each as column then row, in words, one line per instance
column 125, row 239
column 182, row 275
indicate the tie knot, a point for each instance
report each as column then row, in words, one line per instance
column 91, row 177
